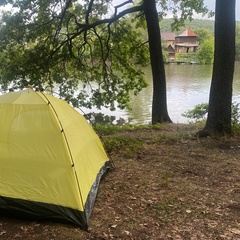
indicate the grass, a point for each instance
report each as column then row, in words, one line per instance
column 118, row 143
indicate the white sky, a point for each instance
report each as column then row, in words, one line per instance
column 209, row 3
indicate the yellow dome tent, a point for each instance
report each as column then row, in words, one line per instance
column 51, row 160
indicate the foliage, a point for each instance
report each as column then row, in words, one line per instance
column 88, row 54
column 206, row 52
column 115, row 144
column 193, row 24
column 199, row 112
column 111, row 128
column 235, row 113
column 60, row 48
column 236, row 118
column 106, row 129
column 164, row 51
column 203, row 35
column 187, row 9
column 185, row 57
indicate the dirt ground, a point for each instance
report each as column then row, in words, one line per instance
column 166, row 184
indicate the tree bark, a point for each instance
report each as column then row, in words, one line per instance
column 220, row 98
column 159, row 103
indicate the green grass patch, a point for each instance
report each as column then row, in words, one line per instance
column 110, row 129
column 127, row 145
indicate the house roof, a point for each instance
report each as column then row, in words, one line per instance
column 188, row 33
column 168, row 36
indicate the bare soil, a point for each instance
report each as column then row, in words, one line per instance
column 166, row 184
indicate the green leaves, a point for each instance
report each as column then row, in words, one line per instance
column 77, row 49
column 206, row 53
column 198, row 113
column 183, row 10
column 203, row 35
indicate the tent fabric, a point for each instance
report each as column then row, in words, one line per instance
column 51, row 160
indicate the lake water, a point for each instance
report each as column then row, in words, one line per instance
column 187, row 86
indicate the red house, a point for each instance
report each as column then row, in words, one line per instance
column 186, row 41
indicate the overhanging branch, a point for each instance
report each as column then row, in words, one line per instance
column 111, row 20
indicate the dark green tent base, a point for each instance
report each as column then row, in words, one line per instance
column 94, row 189
column 42, row 211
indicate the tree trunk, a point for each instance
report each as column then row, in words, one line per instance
column 159, row 104
column 220, row 98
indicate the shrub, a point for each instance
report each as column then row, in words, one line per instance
column 199, row 112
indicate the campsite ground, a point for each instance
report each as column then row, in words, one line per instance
column 166, row 184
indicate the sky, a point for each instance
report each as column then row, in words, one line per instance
column 211, row 5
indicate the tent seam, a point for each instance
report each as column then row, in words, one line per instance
column 68, row 147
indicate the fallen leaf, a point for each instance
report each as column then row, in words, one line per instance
column 3, row 232
column 133, row 198
column 235, row 231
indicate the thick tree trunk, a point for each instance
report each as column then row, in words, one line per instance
column 159, row 104
column 220, row 99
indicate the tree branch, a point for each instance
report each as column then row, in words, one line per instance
column 88, row 11
column 111, row 20
column 62, row 17
column 83, row 28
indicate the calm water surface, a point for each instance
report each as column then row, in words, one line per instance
column 187, row 86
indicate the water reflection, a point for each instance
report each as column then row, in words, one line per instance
column 187, row 86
